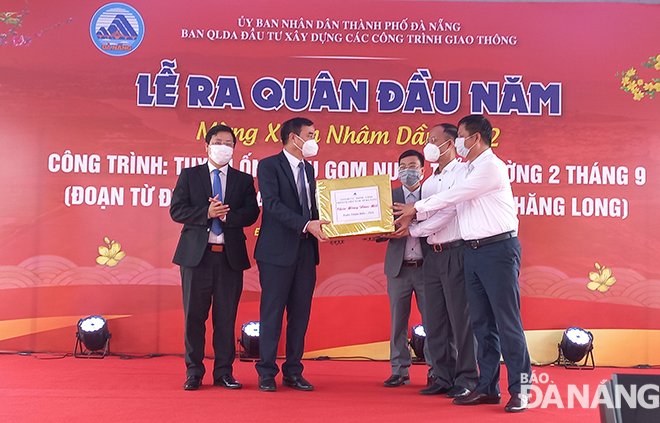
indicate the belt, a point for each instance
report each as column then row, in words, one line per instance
column 413, row 263
column 447, row 245
column 217, row 248
column 476, row 243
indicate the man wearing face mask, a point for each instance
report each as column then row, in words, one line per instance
column 287, row 252
column 488, row 222
column 447, row 321
column 214, row 202
column 404, row 258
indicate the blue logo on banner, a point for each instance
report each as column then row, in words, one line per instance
column 117, row 29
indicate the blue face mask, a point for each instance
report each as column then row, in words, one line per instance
column 409, row 177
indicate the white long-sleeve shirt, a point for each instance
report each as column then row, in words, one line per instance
column 483, row 199
column 440, row 226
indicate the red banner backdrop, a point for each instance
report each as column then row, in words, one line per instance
column 103, row 104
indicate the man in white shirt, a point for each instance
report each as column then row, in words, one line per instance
column 489, row 224
column 446, row 320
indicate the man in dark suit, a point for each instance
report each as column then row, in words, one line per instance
column 214, row 202
column 287, row 252
column 403, row 268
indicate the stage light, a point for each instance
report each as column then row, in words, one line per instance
column 417, row 340
column 249, row 341
column 94, row 336
column 576, row 344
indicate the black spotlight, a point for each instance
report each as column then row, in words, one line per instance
column 92, row 338
column 576, row 344
column 417, row 340
column 249, row 341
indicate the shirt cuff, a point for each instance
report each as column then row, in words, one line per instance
column 305, row 228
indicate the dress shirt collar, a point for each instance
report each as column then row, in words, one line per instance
column 223, row 169
column 485, row 156
column 293, row 160
column 449, row 167
column 416, row 192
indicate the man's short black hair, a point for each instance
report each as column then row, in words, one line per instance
column 450, row 130
column 412, row 153
column 293, row 125
column 478, row 123
column 219, row 128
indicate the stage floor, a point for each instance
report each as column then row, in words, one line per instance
column 43, row 388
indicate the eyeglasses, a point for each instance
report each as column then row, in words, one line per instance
column 411, row 167
column 230, row 143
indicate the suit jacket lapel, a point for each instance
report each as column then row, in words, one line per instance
column 309, row 170
column 286, row 168
column 203, row 174
column 398, row 196
column 231, row 182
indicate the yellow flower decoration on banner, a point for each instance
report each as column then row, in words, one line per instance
column 601, row 280
column 633, row 84
column 110, row 255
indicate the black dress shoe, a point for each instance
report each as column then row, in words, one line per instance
column 516, row 404
column 192, row 383
column 457, row 392
column 267, row 384
column 396, row 380
column 297, row 382
column 436, row 389
column 228, row 381
column 430, row 379
column 477, row 398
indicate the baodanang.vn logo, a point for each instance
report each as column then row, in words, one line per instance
column 542, row 392
column 117, row 29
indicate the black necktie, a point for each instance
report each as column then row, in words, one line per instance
column 302, row 191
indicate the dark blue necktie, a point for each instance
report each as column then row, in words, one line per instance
column 302, row 191
column 217, row 190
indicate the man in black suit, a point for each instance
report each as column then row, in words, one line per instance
column 287, row 252
column 214, row 202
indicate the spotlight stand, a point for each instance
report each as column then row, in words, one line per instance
column 79, row 351
column 568, row 364
column 248, row 342
column 243, row 354
column 416, row 343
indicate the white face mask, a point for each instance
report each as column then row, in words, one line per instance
column 460, row 146
column 432, row 151
column 220, row 153
column 310, row 148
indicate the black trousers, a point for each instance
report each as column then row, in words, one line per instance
column 447, row 320
column 290, row 288
column 210, row 285
column 491, row 275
